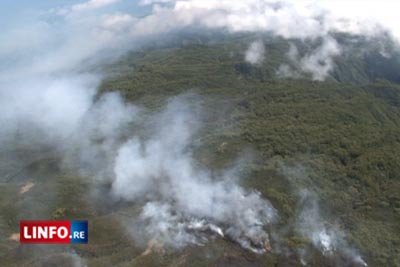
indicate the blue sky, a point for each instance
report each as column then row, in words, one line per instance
column 10, row 7
column 22, row 11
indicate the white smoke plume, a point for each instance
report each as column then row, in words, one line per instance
column 185, row 204
column 322, row 233
column 93, row 146
column 312, row 226
column 255, row 53
column 76, row 260
column 325, row 237
column 184, row 199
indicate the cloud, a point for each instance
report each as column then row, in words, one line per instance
column 319, row 62
column 286, row 71
column 289, row 19
column 255, row 52
column 290, row 71
column 117, row 21
column 92, row 4
column 286, row 18
column 306, row 20
column 150, row 2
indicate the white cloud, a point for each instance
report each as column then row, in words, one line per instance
column 287, row 18
column 116, row 21
column 93, row 4
column 255, row 53
column 150, row 2
column 286, row 71
column 318, row 62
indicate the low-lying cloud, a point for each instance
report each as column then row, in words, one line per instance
column 72, row 37
column 255, row 53
column 318, row 63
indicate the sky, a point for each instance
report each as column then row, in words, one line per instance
column 23, row 11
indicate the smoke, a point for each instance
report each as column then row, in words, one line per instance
column 183, row 203
column 61, row 113
column 93, row 145
column 183, row 200
column 312, row 226
column 323, row 233
column 327, row 238
column 255, row 53
column 51, row 108
column 62, row 258
column 74, row 259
